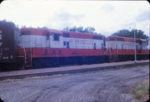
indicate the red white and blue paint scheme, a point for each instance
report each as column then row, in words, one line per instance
column 42, row 47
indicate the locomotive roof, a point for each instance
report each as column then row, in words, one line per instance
column 119, row 38
column 44, row 31
column 54, row 30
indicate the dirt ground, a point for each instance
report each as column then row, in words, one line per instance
column 98, row 86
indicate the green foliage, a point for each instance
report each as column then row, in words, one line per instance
column 81, row 29
column 140, row 90
column 123, row 32
column 127, row 33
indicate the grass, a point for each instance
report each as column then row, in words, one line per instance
column 141, row 91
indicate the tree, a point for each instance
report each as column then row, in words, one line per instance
column 89, row 29
column 127, row 33
column 81, row 29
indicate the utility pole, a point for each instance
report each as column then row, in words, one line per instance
column 133, row 24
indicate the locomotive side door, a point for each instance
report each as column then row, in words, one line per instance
column 28, row 57
column 113, row 52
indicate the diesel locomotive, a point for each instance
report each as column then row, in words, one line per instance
column 43, row 47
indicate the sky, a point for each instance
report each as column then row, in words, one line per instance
column 106, row 17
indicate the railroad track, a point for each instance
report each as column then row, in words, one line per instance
column 68, row 69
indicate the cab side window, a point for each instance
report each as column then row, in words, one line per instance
column 56, row 37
